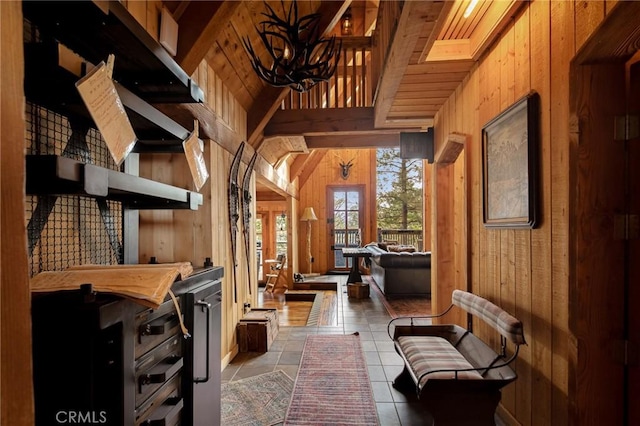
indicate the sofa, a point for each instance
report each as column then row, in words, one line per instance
column 400, row 271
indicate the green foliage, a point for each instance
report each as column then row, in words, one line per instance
column 399, row 190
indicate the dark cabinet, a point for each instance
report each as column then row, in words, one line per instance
column 202, row 374
column 107, row 360
column 98, row 358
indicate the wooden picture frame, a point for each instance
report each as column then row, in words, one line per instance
column 509, row 166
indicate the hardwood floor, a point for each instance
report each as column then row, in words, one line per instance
column 296, row 312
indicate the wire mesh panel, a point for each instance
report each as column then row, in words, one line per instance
column 66, row 230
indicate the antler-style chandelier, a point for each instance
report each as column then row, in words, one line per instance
column 299, row 57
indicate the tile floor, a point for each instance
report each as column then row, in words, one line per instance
column 366, row 316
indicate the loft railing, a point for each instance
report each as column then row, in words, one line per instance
column 386, row 25
column 359, row 70
column 409, row 237
column 350, row 86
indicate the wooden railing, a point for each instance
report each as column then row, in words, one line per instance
column 346, row 238
column 362, row 60
column 409, row 237
column 350, row 86
column 386, row 23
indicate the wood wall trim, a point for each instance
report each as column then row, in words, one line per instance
column 16, row 375
column 452, row 147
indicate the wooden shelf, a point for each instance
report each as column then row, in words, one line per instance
column 141, row 63
column 55, row 175
column 51, row 85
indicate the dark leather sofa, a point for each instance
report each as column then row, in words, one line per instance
column 401, row 273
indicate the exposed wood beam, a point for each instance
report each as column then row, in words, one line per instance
column 415, row 15
column 298, row 163
column 329, row 121
column 434, row 32
column 450, row 50
column 310, row 165
column 276, row 150
column 199, row 27
column 270, row 98
column 269, row 196
column 496, row 19
column 213, row 128
column 320, row 121
column 621, row 41
column 379, row 140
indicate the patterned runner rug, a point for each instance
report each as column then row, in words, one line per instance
column 332, row 387
column 256, row 401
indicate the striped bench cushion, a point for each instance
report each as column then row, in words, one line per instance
column 429, row 354
column 496, row 317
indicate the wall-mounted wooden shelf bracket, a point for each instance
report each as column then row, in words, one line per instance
column 141, row 63
column 55, row 175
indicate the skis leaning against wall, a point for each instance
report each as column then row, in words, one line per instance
column 234, row 203
column 246, row 213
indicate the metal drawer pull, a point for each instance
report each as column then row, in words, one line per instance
column 166, row 413
column 159, row 326
column 170, row 367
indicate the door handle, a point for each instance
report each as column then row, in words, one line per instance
column 206, row 306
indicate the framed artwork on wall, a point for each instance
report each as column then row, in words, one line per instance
column 509, row 166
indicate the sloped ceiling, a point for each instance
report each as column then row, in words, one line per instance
column 433, row 50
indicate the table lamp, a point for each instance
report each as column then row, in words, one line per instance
column 308, row 215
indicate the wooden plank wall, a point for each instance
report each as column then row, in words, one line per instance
column 525, row 271
column 173, row 235
column 16, row 391
column 313, row 194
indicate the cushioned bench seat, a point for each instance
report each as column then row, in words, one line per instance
column 430, row 357
column 457, row 375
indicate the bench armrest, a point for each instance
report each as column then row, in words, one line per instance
column 412, row 318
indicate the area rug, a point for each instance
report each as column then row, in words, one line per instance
column 256, row 401
column 400, row 306
column 332, row 386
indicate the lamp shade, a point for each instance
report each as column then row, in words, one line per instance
column 308, row 215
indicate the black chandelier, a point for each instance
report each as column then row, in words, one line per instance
column 299, row 57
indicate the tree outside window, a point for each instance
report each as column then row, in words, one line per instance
column 281, row 233
column 399, row 190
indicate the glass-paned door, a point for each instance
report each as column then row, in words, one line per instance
column 346, row 205
column 259, row 253
column 281, row 234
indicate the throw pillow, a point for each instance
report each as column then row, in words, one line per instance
column 401, row 248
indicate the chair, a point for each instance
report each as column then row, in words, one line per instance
column 275, row 266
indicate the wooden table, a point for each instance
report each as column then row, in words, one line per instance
column 356, row 253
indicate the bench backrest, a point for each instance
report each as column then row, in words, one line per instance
column 496, row 317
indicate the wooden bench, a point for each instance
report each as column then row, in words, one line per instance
column 455, row 374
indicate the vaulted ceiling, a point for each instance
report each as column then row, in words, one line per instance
column 431, row 52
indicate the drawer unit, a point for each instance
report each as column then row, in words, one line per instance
column 156, row 367
column 125, row 364
column 153, row 326
column 164, row 408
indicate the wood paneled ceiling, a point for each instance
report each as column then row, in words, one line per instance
column 433, row 51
